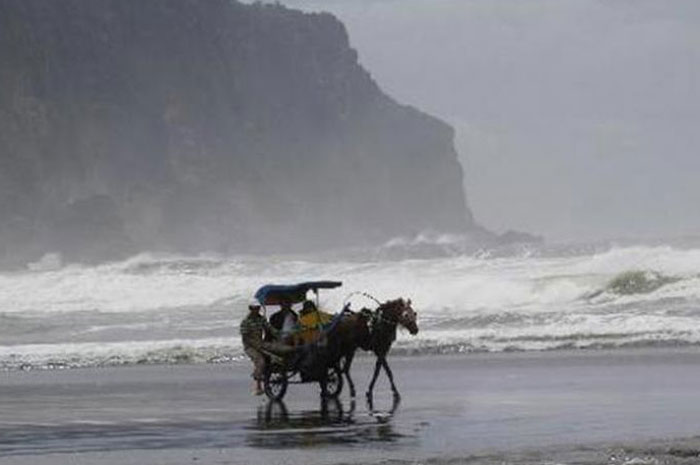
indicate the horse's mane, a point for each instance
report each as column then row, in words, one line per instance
column 391, row 304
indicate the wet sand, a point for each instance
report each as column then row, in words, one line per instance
column 587, row 407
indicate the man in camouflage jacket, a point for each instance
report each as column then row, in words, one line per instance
column 252, row 329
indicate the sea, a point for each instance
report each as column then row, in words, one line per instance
column 173, row 309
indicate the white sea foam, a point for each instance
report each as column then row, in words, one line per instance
column 72, row 355
column 188, row 308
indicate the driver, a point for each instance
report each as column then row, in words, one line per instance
column 252, row 328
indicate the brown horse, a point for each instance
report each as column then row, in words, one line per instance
column 372, row 331
column 383, row 325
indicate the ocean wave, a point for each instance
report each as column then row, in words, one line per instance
column 532, row 300
column 224, row 350
column 153, row 282
column 469, row 347
column 639, row 282
column 82, row 355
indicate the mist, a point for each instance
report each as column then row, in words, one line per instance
column 257, row 128
column 197, row 127
column 574, row 119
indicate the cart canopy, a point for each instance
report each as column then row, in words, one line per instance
column 276, row 294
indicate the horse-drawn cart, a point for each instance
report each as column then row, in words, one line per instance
column 313, row 359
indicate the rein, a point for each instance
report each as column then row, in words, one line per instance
column 364, row 294
column 377, row 315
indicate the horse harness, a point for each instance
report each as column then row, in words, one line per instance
column 378, row 319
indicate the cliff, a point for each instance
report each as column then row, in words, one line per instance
column 188, row 126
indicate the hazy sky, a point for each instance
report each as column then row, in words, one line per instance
column 574, row 118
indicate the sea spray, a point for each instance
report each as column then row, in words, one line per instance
column 177, row 309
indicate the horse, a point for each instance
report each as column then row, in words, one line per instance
column 383, row 325
column 373, row 331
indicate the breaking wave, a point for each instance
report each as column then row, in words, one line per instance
column 639, row 282
column 175, row 309
column 81, row 355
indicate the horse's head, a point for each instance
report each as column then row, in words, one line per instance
column 401, row 311
column 408, row 317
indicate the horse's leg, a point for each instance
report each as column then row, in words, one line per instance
column 324, row 384
column 377, row 367
column 346, row 370
column 395, row 404
column 385, row 364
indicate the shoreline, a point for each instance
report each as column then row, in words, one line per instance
column 407, row 352
column 574, row 406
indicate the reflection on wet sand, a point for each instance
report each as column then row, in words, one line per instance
column 332, row 423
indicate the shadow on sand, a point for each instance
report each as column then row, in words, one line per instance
column 332, row 424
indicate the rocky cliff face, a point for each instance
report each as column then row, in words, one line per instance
column 183, row 125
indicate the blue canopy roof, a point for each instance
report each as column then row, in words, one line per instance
column 275, row 294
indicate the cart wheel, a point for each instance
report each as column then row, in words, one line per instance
column 334, row 383
column 275, row 384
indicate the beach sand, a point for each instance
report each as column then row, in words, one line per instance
column 580, row 407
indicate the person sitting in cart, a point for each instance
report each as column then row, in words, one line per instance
column 285, row 321
column 312, row 317
column 252, row 328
